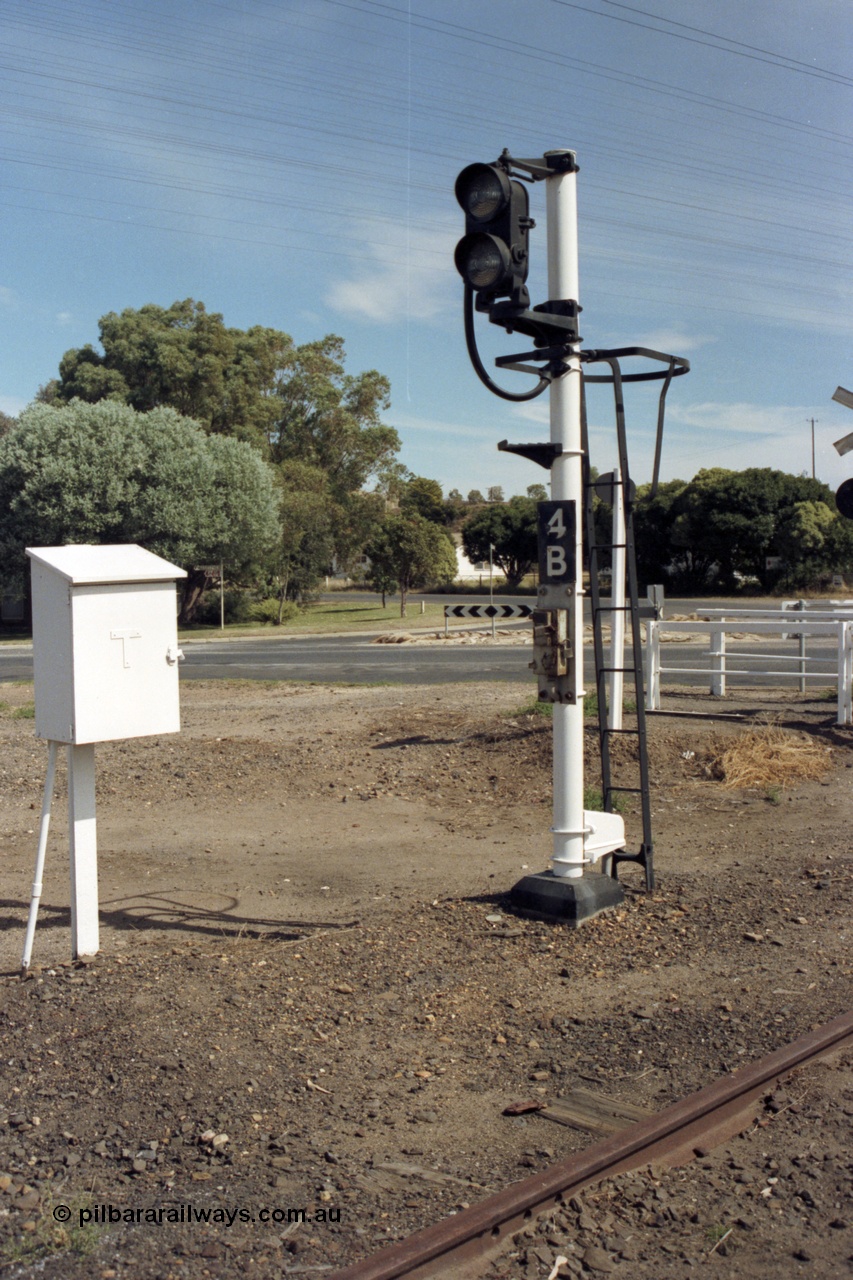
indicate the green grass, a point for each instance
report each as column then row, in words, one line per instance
column 590, row 707
column 26, row 712
column 593, row 799
column 534, row 708
column 49, row 1238
column 245, row 682
column 332, row 617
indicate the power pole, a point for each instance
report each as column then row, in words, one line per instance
column 812, row 421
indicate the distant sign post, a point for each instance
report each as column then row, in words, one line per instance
column 844, row 493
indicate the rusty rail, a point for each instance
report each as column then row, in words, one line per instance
column 704, row 1119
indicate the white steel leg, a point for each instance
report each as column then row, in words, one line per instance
column 44, row 827
column 84, row 850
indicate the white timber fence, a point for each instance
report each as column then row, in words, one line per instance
column 721, row 624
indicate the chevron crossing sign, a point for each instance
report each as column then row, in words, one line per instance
column 487, row 611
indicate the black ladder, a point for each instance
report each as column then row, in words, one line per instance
column 602, row 611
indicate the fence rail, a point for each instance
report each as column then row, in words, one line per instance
column 718, row 624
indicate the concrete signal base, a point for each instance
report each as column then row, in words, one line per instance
column 564, row 901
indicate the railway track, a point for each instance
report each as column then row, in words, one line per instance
column 461, row 1245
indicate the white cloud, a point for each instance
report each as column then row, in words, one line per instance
column 537, row 411
column 734, row 435
column 741, row 434
column 8, row 297
column 405, row 276
column 411, row 422
column 64, row 318
column 673, row 341
column 740, row 418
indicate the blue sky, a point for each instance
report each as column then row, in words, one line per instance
column 292, row 165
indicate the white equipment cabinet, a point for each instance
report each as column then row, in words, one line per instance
column 105, row 643
column 105, row 661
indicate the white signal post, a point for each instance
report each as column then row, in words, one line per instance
column 567, row 484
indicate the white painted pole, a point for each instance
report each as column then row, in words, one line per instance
column 844, row 673
column 44, row 827
column 566, row 485
column 652, row 665
column 84, row 850
column 617, row 600
column 718, row 660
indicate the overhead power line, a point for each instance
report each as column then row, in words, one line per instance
column 773, row 60
column 754, row 48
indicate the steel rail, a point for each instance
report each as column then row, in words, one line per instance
column 701, row 1120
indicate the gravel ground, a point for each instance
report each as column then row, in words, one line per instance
column 312, row 996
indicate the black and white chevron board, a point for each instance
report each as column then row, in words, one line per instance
column 487, row 611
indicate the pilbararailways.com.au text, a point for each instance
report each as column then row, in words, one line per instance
column 158, row 1215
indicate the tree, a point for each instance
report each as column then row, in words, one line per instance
column 511, row 529
column 495, row 494
column 413, row 552
column 304, row 547
column 537, row 493
column 185, row 357
column 103, row 473
column 296, row 405
column 423, row 497
column 391, row 481
column 803, row 538
column 723, row 526
column 475, row 498
column 330, row 419
column 653, row 521
column 454, row 508
column 380, row 576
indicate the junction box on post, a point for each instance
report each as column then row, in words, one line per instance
column 105, row 660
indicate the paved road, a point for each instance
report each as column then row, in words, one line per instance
column 359, row 661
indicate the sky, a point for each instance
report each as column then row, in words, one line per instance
column 292, row 163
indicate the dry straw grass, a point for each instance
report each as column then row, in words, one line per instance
column 770, row 756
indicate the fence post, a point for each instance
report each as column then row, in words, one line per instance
column 652, row 665
column 801, row 606
column 845, row 673
column 718, row 659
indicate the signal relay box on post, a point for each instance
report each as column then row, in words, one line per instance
column 105, row 643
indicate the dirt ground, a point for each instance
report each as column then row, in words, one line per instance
column 312, row 993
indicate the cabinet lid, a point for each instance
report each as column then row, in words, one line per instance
column 85, row 565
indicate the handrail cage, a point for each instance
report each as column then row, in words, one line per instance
column 550, row 361
column 676, row 366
